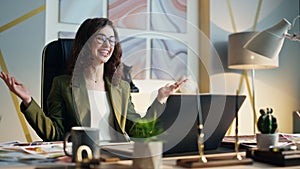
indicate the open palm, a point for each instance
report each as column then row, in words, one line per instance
column 165, row 91
column 16, row 87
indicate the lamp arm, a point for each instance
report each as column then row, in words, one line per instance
column 294, row 20
column 293, row 37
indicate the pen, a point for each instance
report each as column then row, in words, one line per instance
column 33, row 143
column 21, row 144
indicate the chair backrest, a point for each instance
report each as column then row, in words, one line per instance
column 54, row 63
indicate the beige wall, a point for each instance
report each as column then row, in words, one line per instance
column 276, row 88
column 21, row 42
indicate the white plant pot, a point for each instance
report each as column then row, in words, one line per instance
column 298, row 145
column 147, row 155
column 264, row 141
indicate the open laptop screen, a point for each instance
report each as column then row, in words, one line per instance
column 180, row 121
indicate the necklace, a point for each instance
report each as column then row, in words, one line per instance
column 92, row 80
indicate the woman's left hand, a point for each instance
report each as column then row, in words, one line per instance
column 165, row 91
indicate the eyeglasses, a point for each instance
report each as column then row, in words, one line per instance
column 102, row 38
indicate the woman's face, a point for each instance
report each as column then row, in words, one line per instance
column 103, row 44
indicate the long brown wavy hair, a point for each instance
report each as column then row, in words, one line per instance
column 81, row 51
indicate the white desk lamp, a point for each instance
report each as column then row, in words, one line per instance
column 259, row 50
column 269, row 42
column 241, row 58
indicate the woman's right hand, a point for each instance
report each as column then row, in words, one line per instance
column 165, row 91
column 17, row 88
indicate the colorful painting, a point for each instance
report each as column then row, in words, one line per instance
column 168, row 59
column 134, row 54
column 77, row 11
column 150, row 56
column 169, row 15
column 128, row 14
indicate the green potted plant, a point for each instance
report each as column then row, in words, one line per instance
column 147, row 152
column 267, row 125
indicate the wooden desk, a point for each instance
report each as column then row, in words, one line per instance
column 168, row 163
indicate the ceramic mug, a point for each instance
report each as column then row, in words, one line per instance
column 82, row 136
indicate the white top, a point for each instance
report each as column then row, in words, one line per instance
column 100, row 112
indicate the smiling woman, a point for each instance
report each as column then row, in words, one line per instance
column 92, row 92
column 48, row 26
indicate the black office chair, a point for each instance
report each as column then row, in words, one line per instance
column 54, row 63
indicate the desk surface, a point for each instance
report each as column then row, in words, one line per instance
column 168, row 163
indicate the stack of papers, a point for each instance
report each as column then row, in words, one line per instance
column 31, row 152
column 250, row 140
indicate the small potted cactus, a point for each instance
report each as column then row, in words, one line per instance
column 267, row 125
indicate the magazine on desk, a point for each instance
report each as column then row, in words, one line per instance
column 40, row 152
column 249, row 141
column 31, row 152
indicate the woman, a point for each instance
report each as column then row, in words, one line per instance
column 92, row 93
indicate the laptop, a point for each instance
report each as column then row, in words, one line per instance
column 180, row 121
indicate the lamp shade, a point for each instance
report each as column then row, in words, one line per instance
column 241, row 58
column 269, row 42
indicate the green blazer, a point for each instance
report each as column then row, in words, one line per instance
column 65, row 100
